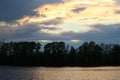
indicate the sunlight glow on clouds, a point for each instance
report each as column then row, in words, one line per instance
column 93, row 12
column 70, row 27
column 69, row 16
column 2, row 24
column 75, row 41
column 64, row 10
column 91, row 2
column 62, row 16
column 45, row 41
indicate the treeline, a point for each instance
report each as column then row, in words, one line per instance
column 59, row 54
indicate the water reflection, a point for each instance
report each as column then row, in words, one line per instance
column 67, row 73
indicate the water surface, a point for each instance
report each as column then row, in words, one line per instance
column 64, row 73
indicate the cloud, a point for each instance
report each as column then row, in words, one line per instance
column 15, row 9
column 2, row 23
column 64, row 15
column 66, row 20
column 117, row 11
column 92, row 2
column 75, row 41
column 45, row 41
column 31, row 32
column 77, row 10
column 55, row 21
column 92, row 12
column 108, row 34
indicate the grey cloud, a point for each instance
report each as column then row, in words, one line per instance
column 25, row 33
column 55, row 21
column 42, row 15
column 15, row 9
column 108, row 34
column 10, row 33
column 117, row 11
column 77, row 10
column 118, row 2
column 51, row 28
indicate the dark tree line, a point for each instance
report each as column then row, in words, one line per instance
column 58, row 54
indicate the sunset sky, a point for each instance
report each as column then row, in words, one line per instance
column 72, row 21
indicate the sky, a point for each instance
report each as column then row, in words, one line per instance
column 71, row 21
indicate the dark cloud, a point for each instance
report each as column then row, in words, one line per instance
column 51, row 28
column 108, row 34
column 15, row 9
column 12, row 33
column 25, row 33
column 77, row 10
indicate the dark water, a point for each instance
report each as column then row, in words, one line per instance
column 65, row 73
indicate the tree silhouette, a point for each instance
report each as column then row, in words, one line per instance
column 58, row 54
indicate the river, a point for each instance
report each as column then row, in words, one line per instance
column 62, row 73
